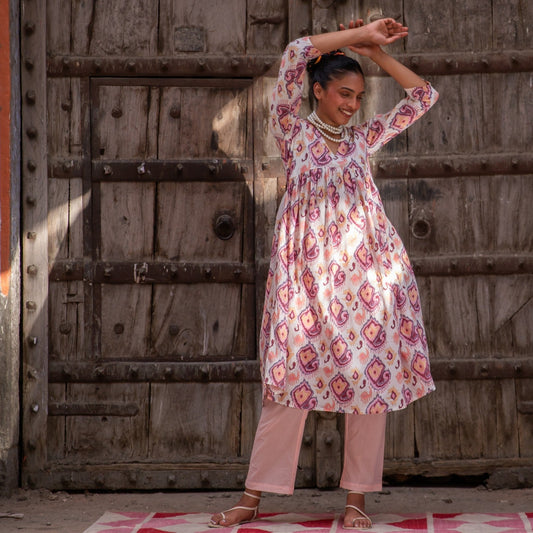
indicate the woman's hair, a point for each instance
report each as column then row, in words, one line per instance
column 324, row 68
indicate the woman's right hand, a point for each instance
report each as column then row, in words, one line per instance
column 378, row 33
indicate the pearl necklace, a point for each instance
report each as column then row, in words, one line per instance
column 321, row 126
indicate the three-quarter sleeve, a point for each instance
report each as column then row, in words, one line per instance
column 287, row 95
column 382, row 128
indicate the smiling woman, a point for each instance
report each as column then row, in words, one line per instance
column 342, row 327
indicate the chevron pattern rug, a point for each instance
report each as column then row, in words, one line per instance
column 131, row 522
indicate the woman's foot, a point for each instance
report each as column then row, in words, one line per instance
column 354, row 516
column 244, row 511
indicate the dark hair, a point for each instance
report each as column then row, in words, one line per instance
column 324, row 68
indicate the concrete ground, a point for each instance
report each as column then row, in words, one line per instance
column 62, row 512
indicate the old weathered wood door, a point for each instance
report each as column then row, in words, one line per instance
column 150, row 190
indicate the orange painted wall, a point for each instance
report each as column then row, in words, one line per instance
column 5, row 173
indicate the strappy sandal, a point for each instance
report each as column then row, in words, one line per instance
column 254, row 509
column 362, row 513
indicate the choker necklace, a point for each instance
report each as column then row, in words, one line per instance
column 320, row 125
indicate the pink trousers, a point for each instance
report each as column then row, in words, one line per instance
column 277, row 447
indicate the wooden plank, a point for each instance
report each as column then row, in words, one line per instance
column 511, row 331
column 250, row 414
column 307, row 460
column 191, row 26
column 189, row 215
column 120, row 122
column 194, row 321
column 58, row 221
column 454, row 127
column 328, row 451
column 67, row 325
column 465, row 27
column 266, row 26
column 55, row 427
column 507, row 103
column 461, row 317
column 395, row 197
column 125, row 321
column 299, row 19
column 514, row 29
column 486, row 432
column 400, row 436
column 222, row 130
column 107, row 439
column 59, row 107
column 123, row 27
column 436, row 427
column 127, row 220
column 34, row 244
column 524, row 388
column 58, row 26
column 187, row 433
column 169, row 122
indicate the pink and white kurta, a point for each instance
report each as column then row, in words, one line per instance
column 342, row 326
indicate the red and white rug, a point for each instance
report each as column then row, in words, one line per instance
column 121, row 522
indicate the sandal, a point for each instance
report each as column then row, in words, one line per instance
column 362, row 513
column 254, row 509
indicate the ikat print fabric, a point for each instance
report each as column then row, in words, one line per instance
column 342, row 327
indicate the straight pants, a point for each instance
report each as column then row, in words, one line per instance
column 277, row 444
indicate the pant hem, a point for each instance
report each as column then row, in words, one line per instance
column 360, row 488
column 270, row 488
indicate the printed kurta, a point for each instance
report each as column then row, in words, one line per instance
column 342, row 325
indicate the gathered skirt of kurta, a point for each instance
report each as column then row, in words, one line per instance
column 342, row 326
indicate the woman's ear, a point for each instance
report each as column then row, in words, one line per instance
column 317, row 90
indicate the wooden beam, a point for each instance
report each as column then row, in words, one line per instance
column 257, row 65
column 34, row 237
column 224, row 369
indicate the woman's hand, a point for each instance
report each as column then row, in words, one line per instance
column 378, row 33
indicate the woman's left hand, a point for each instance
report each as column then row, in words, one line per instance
column 380, row 32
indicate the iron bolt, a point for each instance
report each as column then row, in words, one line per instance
column 31, row 97
column 34, row 407
column 31, row 305
column 32, row 341
column 31, row 132
column 31, row 165
column 116, row 112
column 31, row 200
column 32, row 235
column 65, row 328
column 108, row 170
column 29, row 28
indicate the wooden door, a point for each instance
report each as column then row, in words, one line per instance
column 150, row 188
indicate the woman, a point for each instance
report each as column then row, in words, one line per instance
column 342, row 326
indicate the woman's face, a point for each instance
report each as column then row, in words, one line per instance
column 340, row 99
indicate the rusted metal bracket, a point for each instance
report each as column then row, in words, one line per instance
column 439, row 64
column 248, row 370
column 151, row 272
column 162, row 372
column 244, row 66
column 452, row 165
column 180, row 171
column 473, row 264
column 92, row 409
